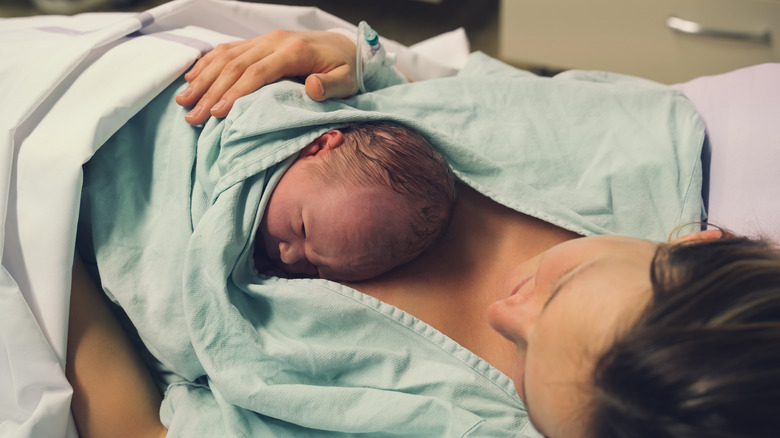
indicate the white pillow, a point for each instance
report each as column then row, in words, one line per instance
column 741, row 110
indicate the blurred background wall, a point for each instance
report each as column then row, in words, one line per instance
column 406, row 21
column 667, row 41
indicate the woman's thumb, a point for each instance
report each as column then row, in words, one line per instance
column 338, row 83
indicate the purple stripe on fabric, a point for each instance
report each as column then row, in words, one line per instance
column 195, row 43
column 145, row 18
column 62, row 30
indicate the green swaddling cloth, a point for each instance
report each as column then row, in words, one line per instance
column 170, row 213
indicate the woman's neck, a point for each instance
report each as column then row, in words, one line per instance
column 451, row 284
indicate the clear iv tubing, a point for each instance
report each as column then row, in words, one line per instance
column 366, row 35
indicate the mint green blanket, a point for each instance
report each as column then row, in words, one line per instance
column 170, row 211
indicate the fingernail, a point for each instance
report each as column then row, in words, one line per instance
column 194, row 112
column 219, row 106
column 191, row 73
column 186, row 93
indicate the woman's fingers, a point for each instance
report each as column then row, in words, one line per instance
column 214, row 75
column 236, row 69
column 206, row 59
column 252, row 77
column 204, row 72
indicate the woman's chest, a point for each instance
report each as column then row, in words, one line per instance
column 451, row 285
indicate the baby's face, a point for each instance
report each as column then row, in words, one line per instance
column 329, row 230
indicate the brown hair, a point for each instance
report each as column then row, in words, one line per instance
column 390, row 155
column 704, row 358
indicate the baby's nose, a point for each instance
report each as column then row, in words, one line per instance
column 291, row 252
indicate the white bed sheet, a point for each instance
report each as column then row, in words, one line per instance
column 57, row 110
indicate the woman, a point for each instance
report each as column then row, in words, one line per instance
column 584, row 366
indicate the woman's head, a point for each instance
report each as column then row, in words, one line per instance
column 624, row 337
column 565, row 307
column 703, row 360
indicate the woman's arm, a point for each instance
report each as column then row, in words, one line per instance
column 113, row 393
column 326, row 59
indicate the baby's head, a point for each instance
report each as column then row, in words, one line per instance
column 357, row 202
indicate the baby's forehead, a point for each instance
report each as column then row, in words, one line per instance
column 372, row 201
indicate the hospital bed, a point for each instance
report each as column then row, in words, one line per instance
column 49, row 129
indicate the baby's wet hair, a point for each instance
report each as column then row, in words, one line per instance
column 390, row 155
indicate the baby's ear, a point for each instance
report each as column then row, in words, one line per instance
column 324, row 143
column 331, row 140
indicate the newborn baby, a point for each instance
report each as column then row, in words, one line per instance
column 356, row 203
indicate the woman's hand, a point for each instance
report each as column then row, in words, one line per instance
column 326, row 59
